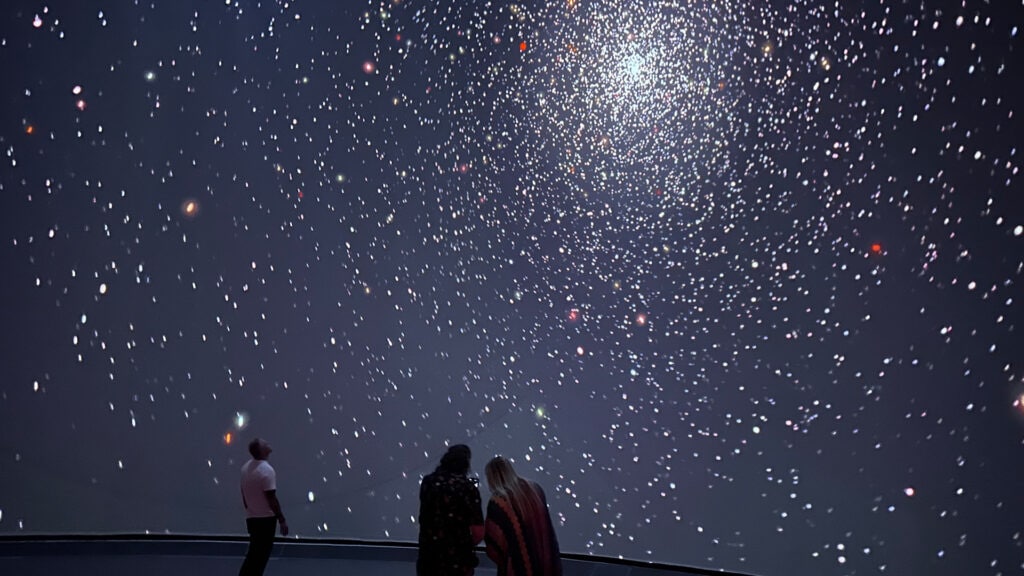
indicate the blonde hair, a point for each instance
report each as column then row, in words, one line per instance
column 505, row 483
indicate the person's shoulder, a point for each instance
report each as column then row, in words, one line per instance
column 436, row 482
column 461, row 480
column 258, row 468
column 471, row 488
column 535, row 486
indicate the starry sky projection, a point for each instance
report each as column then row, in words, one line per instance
column 735, row 281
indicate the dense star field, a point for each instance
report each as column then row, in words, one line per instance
column 736, row 282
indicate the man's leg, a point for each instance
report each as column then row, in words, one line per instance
column 261, row 542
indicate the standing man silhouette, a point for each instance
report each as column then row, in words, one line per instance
column 262, row 510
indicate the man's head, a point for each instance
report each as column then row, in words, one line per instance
column 259, row 449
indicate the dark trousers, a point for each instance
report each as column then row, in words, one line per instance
column 425, row 567
column 261, row 541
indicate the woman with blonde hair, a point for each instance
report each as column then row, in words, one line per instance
column 518, row 531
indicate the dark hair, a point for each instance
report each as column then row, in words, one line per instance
column 456, row 459
column 254, row 447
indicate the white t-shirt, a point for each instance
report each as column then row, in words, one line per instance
column 257, row 477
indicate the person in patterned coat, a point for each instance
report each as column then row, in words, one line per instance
column 519, row 534
column 451, row 520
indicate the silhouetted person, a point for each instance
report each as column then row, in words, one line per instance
column 262, row 510
column 451, row 521
column 520, row 537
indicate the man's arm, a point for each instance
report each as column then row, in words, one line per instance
column 276, row 507
column 476, row 522
column 476, row 532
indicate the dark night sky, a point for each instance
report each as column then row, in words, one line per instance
column 736, row 282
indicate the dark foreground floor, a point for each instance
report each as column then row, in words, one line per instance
column 201, row 556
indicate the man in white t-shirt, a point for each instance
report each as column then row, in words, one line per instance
column 262, row 510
